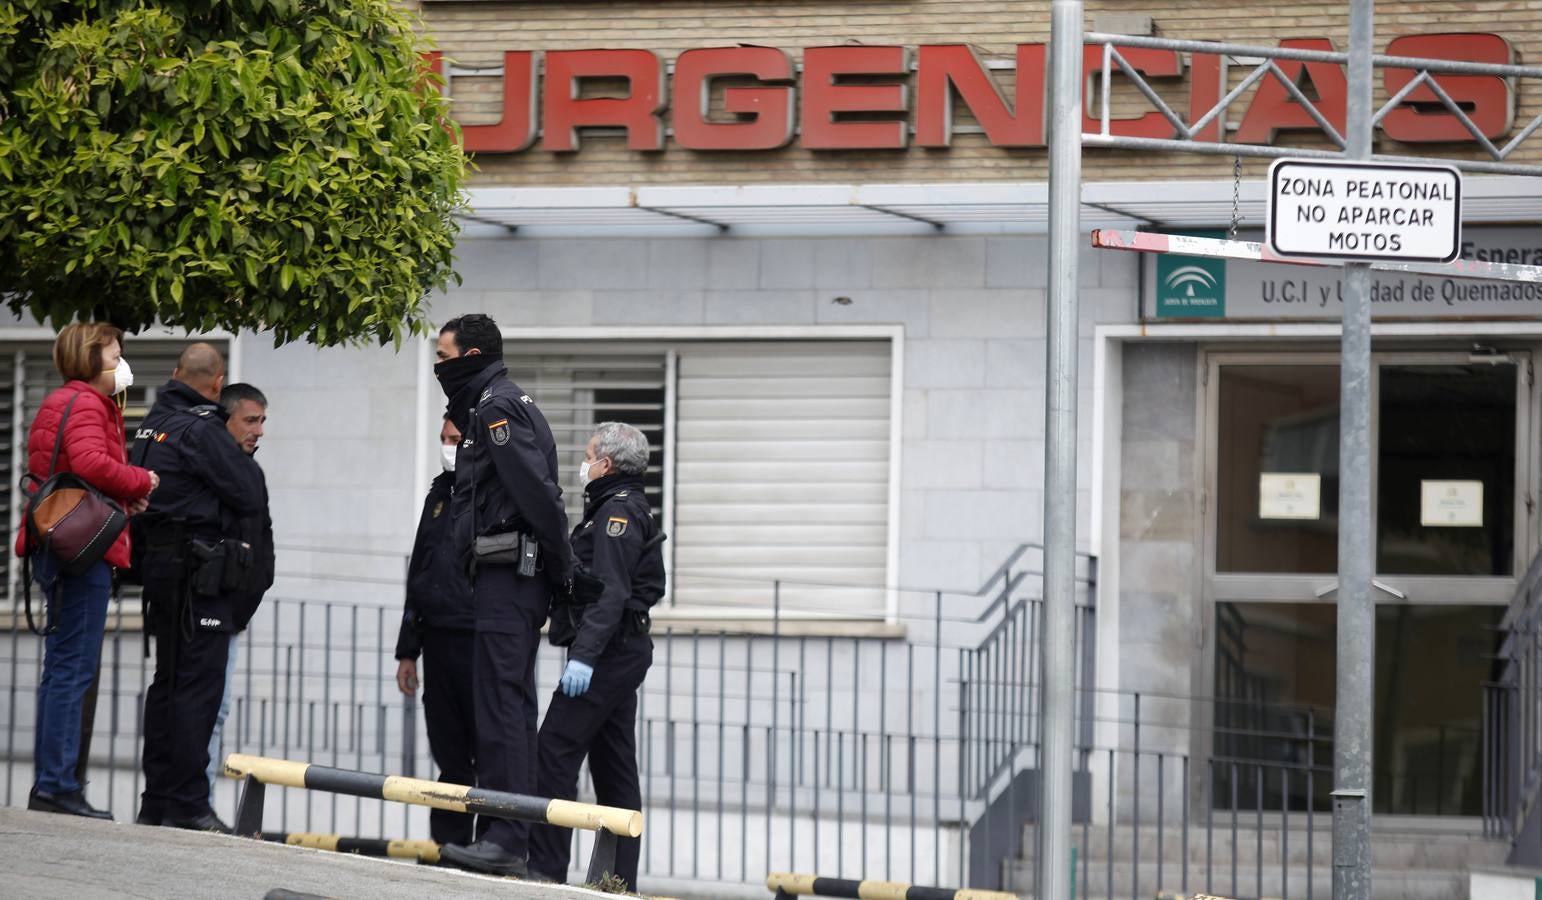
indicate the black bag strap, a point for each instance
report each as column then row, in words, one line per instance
column 49, row 625
column 53, row 461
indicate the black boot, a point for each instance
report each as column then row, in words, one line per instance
column 147, row 817
column 485, row 856
column 204, row 821
column 72, row 803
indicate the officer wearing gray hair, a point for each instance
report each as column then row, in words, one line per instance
column 618, row 577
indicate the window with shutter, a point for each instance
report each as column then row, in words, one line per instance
column 770, row 463
column 578, row 390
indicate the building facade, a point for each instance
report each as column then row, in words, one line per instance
column 805, row 249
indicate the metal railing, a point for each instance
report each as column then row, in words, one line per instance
column 863, row 755
column 851, row 750
column 1512, row 724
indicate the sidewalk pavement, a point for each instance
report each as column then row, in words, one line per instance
column 54, row 857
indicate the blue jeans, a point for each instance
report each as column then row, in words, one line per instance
column 216, row 759
column 71, row 656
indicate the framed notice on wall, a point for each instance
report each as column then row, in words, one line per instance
column 1289, row 495
column 1451, row 504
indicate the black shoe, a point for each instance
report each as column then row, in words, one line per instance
column 485, row 856
column 72, row 803
column 146, row 817
column 206, row 821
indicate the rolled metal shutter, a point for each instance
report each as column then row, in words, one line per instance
column 783, row 476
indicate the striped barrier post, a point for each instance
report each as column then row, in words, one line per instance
column 608, row 822
column 790, row 884
column 419, row 851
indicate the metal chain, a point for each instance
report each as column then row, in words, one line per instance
column 1236, row 196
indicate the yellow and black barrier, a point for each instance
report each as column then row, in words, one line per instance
column 608, row 822
column 420, row 851
column 789, row 884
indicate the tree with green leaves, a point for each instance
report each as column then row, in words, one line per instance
column 279, row 165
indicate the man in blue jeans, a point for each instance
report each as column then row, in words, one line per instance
column 248, row 409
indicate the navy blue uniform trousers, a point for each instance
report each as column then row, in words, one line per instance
column 510, row 613
column 180, row 708
column 447, row 712
column 601, row 724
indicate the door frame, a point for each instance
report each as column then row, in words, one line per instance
column 1214, row 587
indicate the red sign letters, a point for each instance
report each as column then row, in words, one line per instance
column 858, row 97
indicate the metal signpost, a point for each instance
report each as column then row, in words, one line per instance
column 1060, row 398
column 1419, row 227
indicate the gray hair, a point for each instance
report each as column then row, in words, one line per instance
column 626, row 446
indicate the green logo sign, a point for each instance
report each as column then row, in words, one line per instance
column 1191, row 286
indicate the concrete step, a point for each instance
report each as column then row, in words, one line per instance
column 1142, row 884
column 1388, row 851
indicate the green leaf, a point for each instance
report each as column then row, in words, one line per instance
column 276, row 166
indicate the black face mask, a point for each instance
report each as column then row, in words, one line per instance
column 455, row 374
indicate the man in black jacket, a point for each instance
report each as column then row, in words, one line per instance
column 193, row 578
column 510, row 529
column 247, row 411
column 437, row 625
column 619, row 576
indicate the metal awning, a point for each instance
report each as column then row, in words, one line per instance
column 895, row 209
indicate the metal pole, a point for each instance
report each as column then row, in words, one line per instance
column 1065, row 177
column 1356, row 606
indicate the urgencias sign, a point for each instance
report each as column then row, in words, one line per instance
column 859, row 98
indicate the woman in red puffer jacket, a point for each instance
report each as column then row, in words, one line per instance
column 89, row 357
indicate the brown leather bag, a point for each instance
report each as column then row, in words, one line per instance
column 68, row 518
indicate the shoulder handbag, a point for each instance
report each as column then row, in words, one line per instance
column 67, row 517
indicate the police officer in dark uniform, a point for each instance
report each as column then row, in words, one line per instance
column 437, row 625
column 247, row 409
column 194, row 573
column 510, row 529
column 618, row 577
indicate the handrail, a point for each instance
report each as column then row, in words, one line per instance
column 608, row 822
column 1513, row 745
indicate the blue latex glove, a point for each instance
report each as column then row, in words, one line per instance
column 575, row 678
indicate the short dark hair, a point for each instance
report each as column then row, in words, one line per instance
column 475, row 331
column 233, row 394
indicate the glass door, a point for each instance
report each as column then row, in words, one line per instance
column 1452, row 517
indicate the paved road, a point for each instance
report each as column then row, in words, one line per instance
column 53, row 857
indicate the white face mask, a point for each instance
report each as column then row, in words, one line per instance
column 583, row 473
column 447, row 456
column 122, row 377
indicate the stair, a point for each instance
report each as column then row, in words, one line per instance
column 1414, row 864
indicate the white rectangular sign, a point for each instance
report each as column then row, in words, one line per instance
column 1451, row 504
column 1364, row 211
column 1289, row 495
